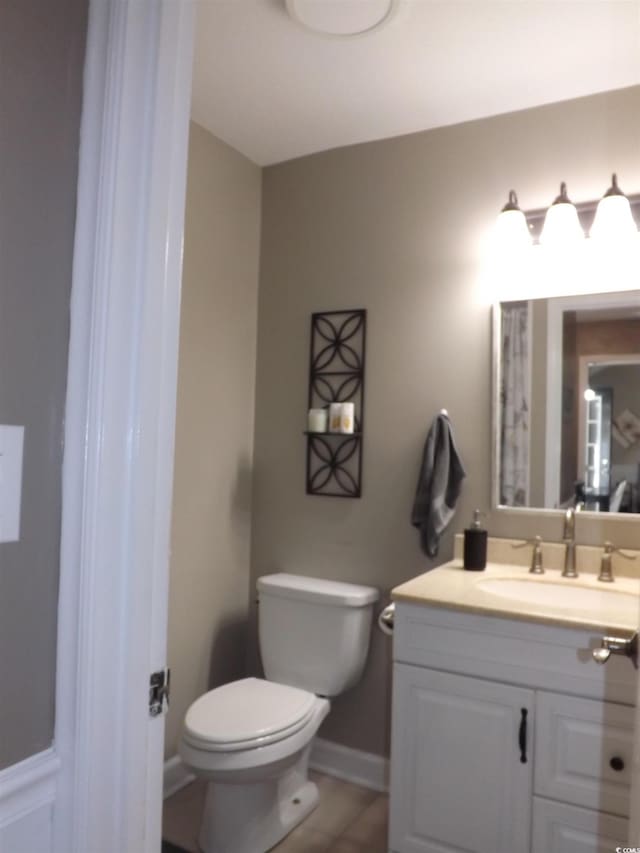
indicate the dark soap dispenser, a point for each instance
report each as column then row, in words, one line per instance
column 475, row 545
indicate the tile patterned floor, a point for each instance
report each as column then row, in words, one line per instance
column 348, row 819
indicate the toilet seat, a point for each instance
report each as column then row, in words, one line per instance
column 247, row 714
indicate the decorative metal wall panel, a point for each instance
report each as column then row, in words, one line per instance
column 336, row 375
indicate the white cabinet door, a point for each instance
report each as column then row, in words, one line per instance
column 461, row 758
column 561, row 828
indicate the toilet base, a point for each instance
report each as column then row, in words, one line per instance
column 254, row 817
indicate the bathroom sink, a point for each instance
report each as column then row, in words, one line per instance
column 562, row 596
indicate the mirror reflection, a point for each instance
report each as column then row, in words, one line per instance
column 568, row 413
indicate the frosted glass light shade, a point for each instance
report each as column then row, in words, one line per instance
column 512, row 232
column 613, row 220
column 561, row 224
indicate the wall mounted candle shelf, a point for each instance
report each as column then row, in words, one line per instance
column 336, row 375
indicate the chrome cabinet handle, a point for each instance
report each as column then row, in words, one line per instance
column 626, row 646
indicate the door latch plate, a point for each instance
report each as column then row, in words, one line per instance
column 159, row 689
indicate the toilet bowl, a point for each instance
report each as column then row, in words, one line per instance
column 251, row 739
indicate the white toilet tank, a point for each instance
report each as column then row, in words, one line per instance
column 314, row 633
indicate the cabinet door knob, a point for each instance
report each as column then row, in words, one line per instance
column 617, row 763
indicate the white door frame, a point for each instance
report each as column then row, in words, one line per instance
column 119, row 432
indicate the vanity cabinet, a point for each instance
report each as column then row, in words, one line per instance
column 461, row 749
column 506, row 737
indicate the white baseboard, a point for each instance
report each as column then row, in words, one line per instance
column 27, row 797
column 352, row 765
column 176, row 776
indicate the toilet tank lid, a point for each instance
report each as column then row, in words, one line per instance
column 317, row 589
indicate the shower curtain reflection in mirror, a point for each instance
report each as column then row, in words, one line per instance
column 515, row 395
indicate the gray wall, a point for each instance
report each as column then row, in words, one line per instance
column 42, row 50
column 400, row 227
column 211, row 532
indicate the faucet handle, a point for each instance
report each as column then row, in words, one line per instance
column 609, row 548
column 536, row 555
column 606, row 570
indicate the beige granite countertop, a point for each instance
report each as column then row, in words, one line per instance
column 611, row 606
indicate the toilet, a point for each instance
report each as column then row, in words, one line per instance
column 251, row 739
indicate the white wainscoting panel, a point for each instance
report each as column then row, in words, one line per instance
column 27, row 797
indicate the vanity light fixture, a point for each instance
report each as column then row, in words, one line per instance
column 511, row 226
column 561, row 223
column 613, row 220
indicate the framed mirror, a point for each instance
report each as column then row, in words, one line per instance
column 566, row 403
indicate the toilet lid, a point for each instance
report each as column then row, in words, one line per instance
column 251, row 709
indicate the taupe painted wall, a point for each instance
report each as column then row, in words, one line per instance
column 42, row 51
column 211, row 532
column 400, row 227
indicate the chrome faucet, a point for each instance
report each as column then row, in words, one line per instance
column 569, row 539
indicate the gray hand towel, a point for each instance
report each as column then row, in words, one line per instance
column 439, row 485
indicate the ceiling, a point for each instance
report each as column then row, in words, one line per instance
column 275, row 90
